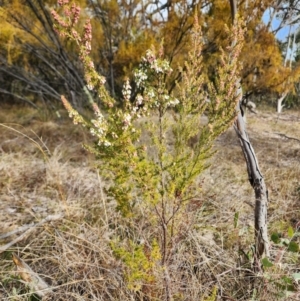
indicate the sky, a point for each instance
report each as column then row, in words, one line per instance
column 283, row 33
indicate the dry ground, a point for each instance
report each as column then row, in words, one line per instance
column 45, row 172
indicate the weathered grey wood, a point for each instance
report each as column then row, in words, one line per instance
column 255, row 176
column 256, row 180
column 28, row 231
column 280, row 100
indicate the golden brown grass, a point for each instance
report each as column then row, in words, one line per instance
column 55, row 175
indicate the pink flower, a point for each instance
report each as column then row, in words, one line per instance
column 67, row 11
column 87, row 31
column 62, row 2
column 66, row 103
column 88, row 47
column 96, row 109
column 76, row 12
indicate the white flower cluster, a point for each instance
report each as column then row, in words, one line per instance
column 150, row 56
column 140, row 77
column 161, row 66
column 90, row 87
column 100, row 129
column 126, row 91
column 158, row 65
column 126, row 121
column 173, row 102
column 139, row 100
column 150, row 97
column 101, row 79
column 170, row 101
column 150, row 93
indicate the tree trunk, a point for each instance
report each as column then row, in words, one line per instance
column 287, row 47
column 293, row 48
column 280, row 100
column 255, row 177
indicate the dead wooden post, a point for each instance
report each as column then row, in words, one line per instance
column 255, row 177
column 257, row 182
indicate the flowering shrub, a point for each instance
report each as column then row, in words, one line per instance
column 143, row 147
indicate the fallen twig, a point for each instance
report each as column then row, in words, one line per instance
column 35, row 282
column 18, row 230
column 27, row 232
column 288, row 137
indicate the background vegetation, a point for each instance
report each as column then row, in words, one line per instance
column 37, row 66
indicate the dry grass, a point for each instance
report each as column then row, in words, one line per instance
column 73, row 254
